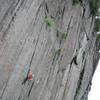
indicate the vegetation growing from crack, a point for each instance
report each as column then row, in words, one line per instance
column 63, row 34
column 94, row 6
column 48, row 21
column 97, row 25
column 58, row 51
column 78, row 91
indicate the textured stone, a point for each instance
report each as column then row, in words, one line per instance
column 28, row 45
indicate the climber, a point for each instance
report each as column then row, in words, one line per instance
column 29, row 77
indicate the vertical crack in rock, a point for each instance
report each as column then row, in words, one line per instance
column 11, row 10
column 46, row 7
column 83, row 12
column 24, row 81
column 36, row 16
column 32, row 58
column 30, row 89
column 79, row 83
column 4, row 88
column 69, row 24
column 63, row 11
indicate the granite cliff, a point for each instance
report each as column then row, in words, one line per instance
column 55, row 41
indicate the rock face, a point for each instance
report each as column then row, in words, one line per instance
column 54, row 41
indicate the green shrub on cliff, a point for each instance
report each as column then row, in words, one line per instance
column 58, row 51
column 75, row 2
column 63, row 34
column 97, row 25
column 94, row 6
column 48, row 21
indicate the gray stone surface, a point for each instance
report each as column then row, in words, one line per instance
column 62, row 68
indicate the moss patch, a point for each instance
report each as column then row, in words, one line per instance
column 48, row 21
column 62, row 34
column 58, row 51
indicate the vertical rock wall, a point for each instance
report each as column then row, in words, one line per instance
column 54, row 41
